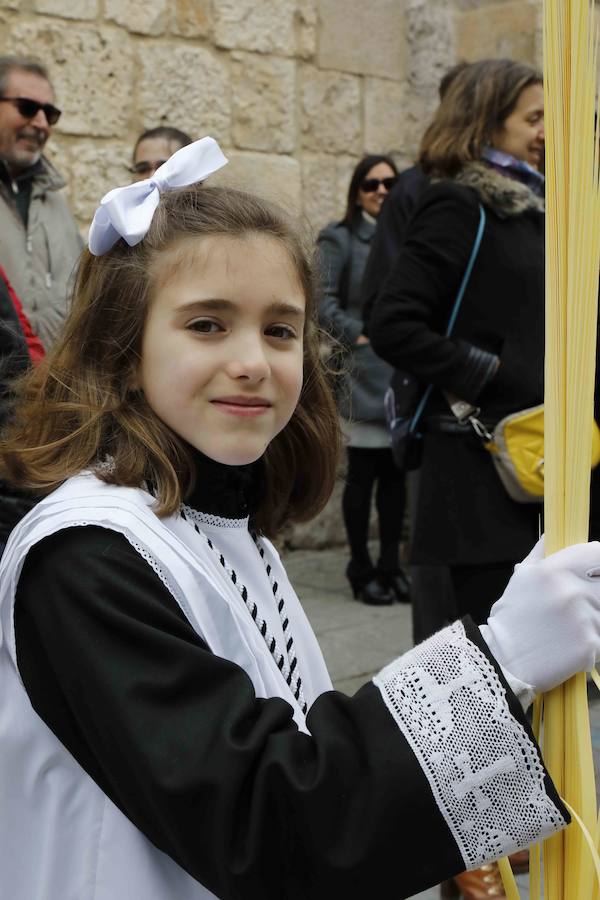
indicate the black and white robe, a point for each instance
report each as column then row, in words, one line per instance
column 152, row 750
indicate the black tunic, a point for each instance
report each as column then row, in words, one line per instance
column 221, row 781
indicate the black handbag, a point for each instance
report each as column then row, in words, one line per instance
column 405, row 400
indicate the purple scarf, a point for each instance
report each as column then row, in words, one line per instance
column 514, row 168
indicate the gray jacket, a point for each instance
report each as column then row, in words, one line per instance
column 39, row 261
column 343, row 257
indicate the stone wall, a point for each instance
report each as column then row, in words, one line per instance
column 294, row 90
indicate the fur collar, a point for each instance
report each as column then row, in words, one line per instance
column 504, row 195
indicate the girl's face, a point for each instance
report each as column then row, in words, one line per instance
column 222, row 347
column 522, row 134
column 371, row 200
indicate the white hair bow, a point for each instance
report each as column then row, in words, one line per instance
column 126, row 212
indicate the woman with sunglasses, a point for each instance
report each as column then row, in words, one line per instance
column 344, row 247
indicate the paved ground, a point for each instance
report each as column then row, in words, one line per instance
column 358, row 640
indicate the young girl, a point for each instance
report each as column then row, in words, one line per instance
column 167, row 723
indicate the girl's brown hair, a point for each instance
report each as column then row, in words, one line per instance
column 475, row 106
column 78, row 407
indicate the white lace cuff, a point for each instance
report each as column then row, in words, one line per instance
column 484, row 771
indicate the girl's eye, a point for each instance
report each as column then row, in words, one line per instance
column 285, row 332
column 204, row 326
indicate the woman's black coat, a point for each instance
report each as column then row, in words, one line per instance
column 494, row 358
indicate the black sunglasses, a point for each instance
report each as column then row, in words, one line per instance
column 370, row 185
column 146, row 166
column 30, row 108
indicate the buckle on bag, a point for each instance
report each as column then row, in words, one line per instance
column 480, row 429
column 463, row 411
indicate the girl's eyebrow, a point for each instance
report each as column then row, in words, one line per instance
column 279, row 308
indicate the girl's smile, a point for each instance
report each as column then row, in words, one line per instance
column 222, row 350
column 242, row 406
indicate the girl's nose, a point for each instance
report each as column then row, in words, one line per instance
column 249, row 361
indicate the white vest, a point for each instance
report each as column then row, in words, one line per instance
column 61, row 838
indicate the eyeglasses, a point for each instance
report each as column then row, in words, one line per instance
column 146, row 167
column 30, row 108
column 370, row 185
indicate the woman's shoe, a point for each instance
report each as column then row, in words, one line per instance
column 373, row 593
column 369, row 589
column 399, row 584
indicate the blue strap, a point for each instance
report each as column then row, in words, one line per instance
column 455, row 309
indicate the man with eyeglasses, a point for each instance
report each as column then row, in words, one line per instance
column 154, row 147
column 39, row 240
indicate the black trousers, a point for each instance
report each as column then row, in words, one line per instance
column 441, row 594
column 476, row 588
column 368, row 468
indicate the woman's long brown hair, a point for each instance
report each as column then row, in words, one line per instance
column 80, row 408
column 475, row 105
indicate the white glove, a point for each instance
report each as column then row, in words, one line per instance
column 546, row 626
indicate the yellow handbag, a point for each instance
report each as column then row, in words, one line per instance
column 517, row 449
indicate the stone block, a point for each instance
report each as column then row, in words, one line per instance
column 385, row 111
column 91, row 69
column 139, row 16
column 94, row 170
column 330, row 111
column 414, row 113
column 307, row 22
column 538, row 37
column 11, row 4
column 325, row 181
column 277, row 178
column 463, row 5
column 503, row 30
column 67, row 9
column 325, row 530
column 263, row 91
column 365, row 38
column 191, row 18
column 271, row 26
column 184, row 86
column 430, row 35
column 58, row 151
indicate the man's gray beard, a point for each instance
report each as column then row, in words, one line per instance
column 23, row 161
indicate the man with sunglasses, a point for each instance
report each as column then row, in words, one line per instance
column 39, row 240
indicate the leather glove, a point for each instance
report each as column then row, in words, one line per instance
column 546, row 626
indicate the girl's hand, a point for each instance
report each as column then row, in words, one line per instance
column 546, row 626
column 361, row 339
